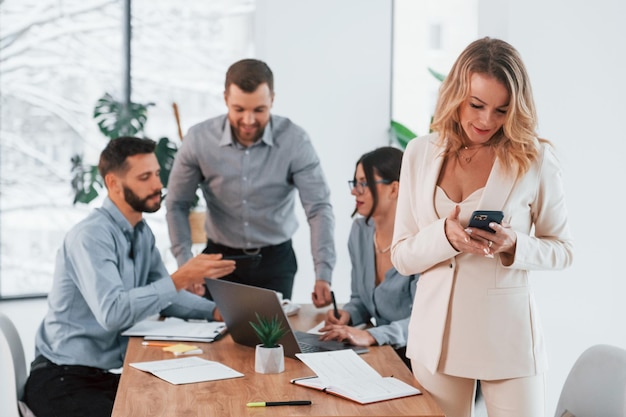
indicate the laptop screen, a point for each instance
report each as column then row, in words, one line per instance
column 239, row 304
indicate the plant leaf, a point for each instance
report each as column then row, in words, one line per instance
column 401, row 133
column 268, row 331
column 165, row 152
column 115, row 119
column 436, row 74
column 86, row 181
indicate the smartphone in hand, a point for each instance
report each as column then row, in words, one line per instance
column 245, row 261
column 480, row 219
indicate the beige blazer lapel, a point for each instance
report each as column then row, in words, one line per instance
column 498, row 188
column 433, row 161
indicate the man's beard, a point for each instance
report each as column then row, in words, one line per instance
column 141, row 205
column 244, row 137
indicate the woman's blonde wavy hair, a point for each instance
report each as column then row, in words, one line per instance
column 516, row 142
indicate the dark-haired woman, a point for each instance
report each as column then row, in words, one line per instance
column 379, row 292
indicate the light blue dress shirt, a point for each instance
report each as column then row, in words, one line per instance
column 390, row 302
column 250, row 192
column 99, row 290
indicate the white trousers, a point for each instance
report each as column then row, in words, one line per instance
column 517, row 397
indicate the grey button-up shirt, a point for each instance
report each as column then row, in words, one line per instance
column 250, row 192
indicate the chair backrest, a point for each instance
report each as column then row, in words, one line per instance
column 596, row 385
column 13, row 366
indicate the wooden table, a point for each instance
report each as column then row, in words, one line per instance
column 143, row 394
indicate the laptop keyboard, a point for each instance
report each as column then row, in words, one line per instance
column 308, row 348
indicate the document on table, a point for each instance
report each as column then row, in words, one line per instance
column 345, row 374
column 173, row 328
column 187, row 370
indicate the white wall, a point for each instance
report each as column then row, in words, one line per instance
column 576, row 57
column 332, row 63
column 426, row 35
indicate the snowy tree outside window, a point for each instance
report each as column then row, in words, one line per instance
column 57, row 58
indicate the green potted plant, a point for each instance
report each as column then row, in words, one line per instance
column 269, row 355
column 114, row 120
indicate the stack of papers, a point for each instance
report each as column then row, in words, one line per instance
column 187, row 370
column 177, row 329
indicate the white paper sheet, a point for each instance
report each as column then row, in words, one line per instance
column 187, row 370
column 338, row 365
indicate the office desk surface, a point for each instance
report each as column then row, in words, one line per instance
column 143, row 394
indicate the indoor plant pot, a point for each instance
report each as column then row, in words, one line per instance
column 269, row 360
column 269, row 356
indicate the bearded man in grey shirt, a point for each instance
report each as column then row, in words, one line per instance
column 249, row 165
column 108, row 276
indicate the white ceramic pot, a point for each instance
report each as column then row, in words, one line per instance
column 269, row 360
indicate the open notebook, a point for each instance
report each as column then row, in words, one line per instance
column 345, row 374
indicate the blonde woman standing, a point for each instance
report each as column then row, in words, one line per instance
column 474, row 318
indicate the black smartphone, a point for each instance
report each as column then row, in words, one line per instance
column 245, row 261
column 481, row 218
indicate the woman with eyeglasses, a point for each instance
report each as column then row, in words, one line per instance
column 378, row 290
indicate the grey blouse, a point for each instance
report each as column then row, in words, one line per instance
column 390, row 302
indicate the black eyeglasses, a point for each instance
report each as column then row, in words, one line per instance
column 360, row 187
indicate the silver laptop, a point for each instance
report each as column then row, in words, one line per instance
column 239, row 303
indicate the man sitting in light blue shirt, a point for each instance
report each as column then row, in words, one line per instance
column 108, row 276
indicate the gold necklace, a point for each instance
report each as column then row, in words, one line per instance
column 376, row 246
column 468, row 159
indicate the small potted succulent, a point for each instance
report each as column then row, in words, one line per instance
column 269, row 356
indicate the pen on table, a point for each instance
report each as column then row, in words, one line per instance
column 332, row 295
column 274, row 403
column 157, row 344
column 304, row 377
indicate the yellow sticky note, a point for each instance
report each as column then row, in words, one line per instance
column 180, row 348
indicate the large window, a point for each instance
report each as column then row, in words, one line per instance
column 56, row 59
column 428, row 34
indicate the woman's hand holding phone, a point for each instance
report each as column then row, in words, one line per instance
column 458, row 236
column 481, row 219
column 485, row 237
column 495, row 235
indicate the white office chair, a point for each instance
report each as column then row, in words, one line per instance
column 596, row 385
column 13, row 366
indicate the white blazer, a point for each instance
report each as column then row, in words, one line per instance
column 482, row 310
